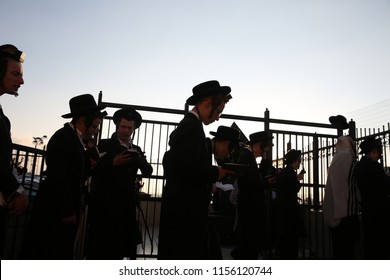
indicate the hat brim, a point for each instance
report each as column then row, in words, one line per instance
column 84, row 112
column 224, row 90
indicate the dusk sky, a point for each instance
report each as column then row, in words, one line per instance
column 303, row 60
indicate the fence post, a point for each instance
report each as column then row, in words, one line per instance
column 99, row 135
column 266, row 120
column 352, row 129
column 266, row 129
column 316, row 176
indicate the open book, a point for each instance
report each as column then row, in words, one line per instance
column 224, row 187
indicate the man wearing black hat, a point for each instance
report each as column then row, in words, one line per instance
column 114, row 232
column 189, row 174
column 13, row 200
column 251, row 222
column 225, row 141
column 374, row 187
column 55, row 215
column 289, row 221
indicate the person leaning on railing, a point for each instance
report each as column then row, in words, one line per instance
column 12, row 196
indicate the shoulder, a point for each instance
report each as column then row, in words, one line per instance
column 189, row 120
column 63, row 134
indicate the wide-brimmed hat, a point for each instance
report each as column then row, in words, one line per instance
column 339, row 121
column 261, row 136
column 83, row 105
column 228, row 133
column 128, row 113
column 206, row 89
column 369, row 144
column 292, row 155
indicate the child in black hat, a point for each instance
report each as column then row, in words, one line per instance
column 289, row 220
column 114, row 233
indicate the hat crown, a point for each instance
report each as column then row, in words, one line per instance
column 206, row 86
column 339, row 121
column 206, row 89
column 226, row 132
column 128, row 113
column 82, row 105
column 261, row 136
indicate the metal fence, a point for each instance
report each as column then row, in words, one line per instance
column 316, row 140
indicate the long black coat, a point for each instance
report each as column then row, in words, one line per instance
column 290, row 224
column 374, row 187
column 58, row 197
column 187, row 193
column 8, row 182
column 250, row 208
column 114, row 231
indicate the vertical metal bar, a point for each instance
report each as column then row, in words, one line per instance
column 315, row 173
column 266, row 120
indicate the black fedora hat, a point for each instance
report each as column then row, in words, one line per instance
column 339, row 121
column 128, row 113
column 83, row 105
column 261, row 136
column 228, row 133
column 369, row 144
column 206, row 89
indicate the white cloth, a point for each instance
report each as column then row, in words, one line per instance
column 337, row 190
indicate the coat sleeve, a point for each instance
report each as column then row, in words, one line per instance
column 143, row 164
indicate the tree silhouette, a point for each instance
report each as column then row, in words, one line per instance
column 39, row 140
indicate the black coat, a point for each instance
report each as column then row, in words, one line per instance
column 250, row 207
column 58, row 197
column 289, row 218
column 187, row 193
column 374, row 187
column 8, row 182
column 114, row 231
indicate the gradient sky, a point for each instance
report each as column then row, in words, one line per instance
column 303, row 60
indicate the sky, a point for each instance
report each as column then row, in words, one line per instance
column 304, row 60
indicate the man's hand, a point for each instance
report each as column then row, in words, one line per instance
column 123, row 158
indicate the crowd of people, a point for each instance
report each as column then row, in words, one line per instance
column 104, row 178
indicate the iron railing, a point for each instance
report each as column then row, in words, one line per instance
column 316, row 140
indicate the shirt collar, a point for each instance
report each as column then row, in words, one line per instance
column 195, row 113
